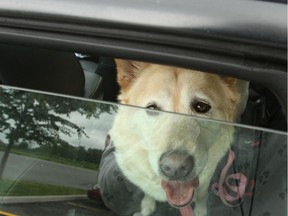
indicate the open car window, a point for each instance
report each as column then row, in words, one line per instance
column 51, row 146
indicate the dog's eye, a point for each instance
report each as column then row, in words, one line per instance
column 152, row 107
column 201, row 107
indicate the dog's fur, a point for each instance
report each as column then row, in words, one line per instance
column 141, row 137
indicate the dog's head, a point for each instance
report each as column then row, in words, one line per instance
column 181, row 90
column 176, row 147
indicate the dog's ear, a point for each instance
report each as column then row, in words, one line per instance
column 230, row 81
column 240, row 89
column 127, row 71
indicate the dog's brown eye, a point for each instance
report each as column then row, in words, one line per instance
column 201, row 107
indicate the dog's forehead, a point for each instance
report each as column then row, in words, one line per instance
column 171, row 81
column 169, row 77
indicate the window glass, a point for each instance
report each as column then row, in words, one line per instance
column 51, row 147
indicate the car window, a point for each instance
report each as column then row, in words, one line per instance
column 51, row 148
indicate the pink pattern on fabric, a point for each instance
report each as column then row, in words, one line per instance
column 239, row 190
column 220, row 190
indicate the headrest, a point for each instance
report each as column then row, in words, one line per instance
column 41, row 69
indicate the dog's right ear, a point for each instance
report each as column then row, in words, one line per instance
column 127, row 71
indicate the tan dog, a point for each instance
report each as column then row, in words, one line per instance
column 172, row 157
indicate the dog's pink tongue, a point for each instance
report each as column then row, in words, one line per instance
column 186, row 211
column 180, row 194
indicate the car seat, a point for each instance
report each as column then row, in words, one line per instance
column 56, row 71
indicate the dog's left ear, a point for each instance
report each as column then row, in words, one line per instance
column 230, row 81
column 240, row 89
column 127, row 71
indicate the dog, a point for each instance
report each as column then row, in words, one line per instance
column 172, row 157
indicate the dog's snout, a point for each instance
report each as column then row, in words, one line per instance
column 176, row 165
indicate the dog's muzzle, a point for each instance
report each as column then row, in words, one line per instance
column 176, row 165
column 176, row 168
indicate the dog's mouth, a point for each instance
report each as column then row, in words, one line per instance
column 180, row 193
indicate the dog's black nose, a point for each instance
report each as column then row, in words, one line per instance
column 176, row 165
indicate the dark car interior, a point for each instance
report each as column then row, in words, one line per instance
column 58, row 72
